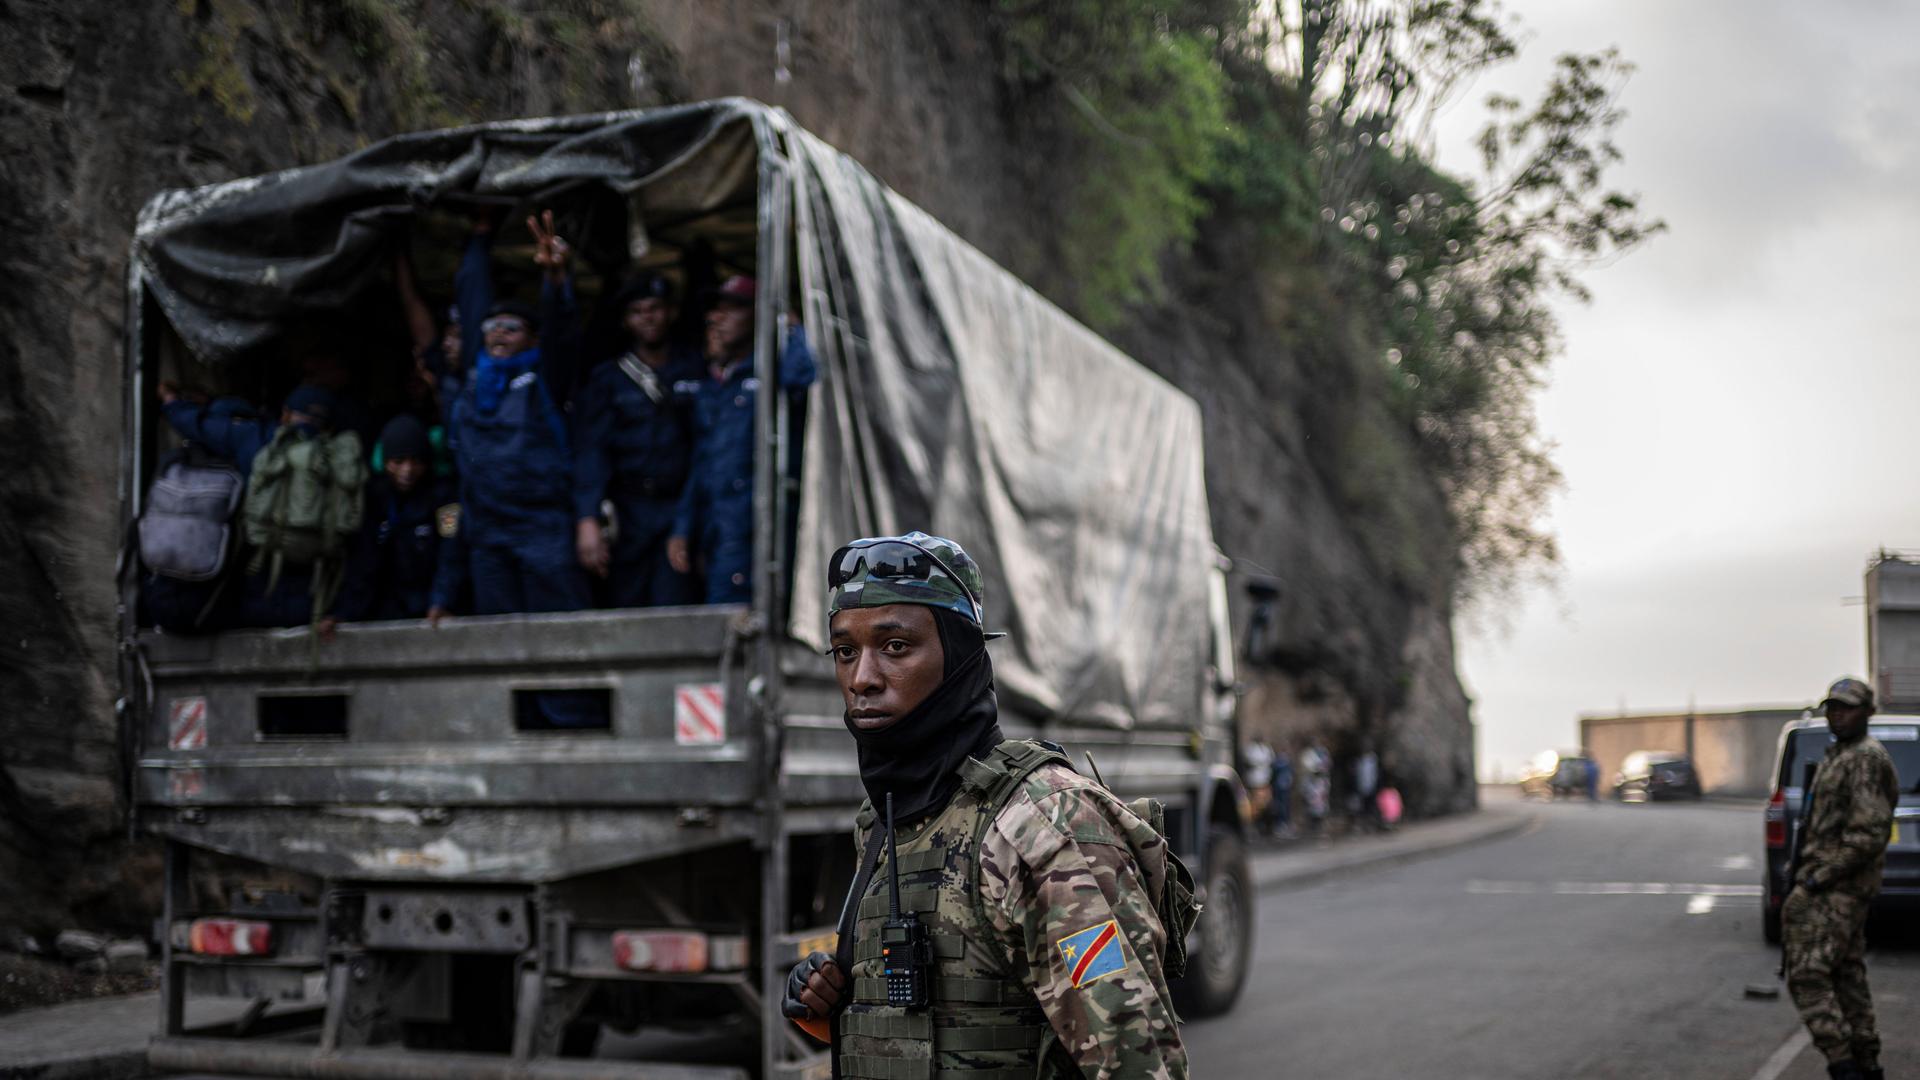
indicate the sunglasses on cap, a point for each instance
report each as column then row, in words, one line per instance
column 512, row 324
column 896, row 560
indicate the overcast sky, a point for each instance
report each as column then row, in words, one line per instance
column 1736, row 410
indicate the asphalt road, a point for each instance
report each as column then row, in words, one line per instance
column 1607, row 941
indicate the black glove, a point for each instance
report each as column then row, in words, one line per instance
column 791, row 1005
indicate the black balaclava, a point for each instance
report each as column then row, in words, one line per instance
column 918, row 758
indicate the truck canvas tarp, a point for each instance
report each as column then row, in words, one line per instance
column 952, row 398
column 955, row 399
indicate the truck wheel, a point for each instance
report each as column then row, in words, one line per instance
column 1217, row 967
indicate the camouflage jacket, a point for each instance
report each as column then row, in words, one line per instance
column 1058, row 878
column 1055, row 927
column 1844, row 846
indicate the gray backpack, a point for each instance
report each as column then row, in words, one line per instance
column 186, row 528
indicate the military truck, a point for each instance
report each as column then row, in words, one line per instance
column 376, row 841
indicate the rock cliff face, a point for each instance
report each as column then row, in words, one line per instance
column 111, row 102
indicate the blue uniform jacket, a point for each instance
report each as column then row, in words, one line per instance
column 402, row 559
column 719, row 492
column 228, row 427
column 627, row 444
column 515, row 465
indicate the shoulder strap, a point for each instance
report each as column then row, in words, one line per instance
column 1000, row 773
column 643, row 377
column 997, row 779
column 849, row 911
column 849, row 915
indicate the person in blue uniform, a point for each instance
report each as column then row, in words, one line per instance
column 510, row 438
column 713, row 529
column 234, row 430
column 396, row 568
column 634, row 443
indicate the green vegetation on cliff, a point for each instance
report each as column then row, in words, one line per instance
column 1313, row 134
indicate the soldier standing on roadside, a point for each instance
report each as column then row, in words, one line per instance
column 1037, row 894
column 1843, row 848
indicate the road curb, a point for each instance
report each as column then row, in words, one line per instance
column 1280, row 878
column 121, row 1065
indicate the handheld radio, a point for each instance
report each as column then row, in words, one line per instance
column 906, row 948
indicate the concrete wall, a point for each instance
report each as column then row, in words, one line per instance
column 1733, row 751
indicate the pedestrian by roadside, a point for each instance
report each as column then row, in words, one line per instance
column 1257, row 773
column 1366, row 788
column 1044, row 937
column 1317, row 787
column 1843, row 849
column 1280, row 810
column 1591, row 777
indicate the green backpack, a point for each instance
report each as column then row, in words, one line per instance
column 304, row 502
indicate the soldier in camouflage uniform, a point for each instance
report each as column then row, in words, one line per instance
column 1843, row 848
column 1040, row 889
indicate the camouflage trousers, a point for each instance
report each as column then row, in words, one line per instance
column 1826, row 944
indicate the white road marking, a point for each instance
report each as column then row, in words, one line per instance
column 1610, row 888
column 1783, row 1057
column 1519, row 888
column 1737, row 862
column 1699, row 905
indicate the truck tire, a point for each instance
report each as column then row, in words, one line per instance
column 1223, row 947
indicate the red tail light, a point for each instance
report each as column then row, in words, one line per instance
column 229, row 937
column 660, row 950
column 679, row 951
column 1777, row 820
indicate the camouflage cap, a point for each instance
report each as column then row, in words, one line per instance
column 1848, row 691
column 911, row 569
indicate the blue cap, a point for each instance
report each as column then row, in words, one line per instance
column 310, row 400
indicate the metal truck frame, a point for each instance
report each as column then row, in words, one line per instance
column 433, row 876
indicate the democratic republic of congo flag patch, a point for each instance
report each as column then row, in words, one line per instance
column 1093, row 953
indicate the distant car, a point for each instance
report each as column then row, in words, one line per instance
column 1802, row 743
column 1556, row 774
column 1647, row 775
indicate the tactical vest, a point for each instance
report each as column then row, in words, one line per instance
column 982, row 1023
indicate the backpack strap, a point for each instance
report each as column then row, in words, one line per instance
column 277, row 513
column 997, row 778
column 342, row 487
